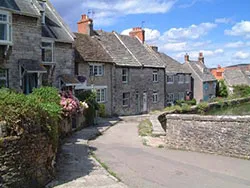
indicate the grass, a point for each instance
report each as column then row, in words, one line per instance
column 240, row 109
column 145, row 128
column 105, row 166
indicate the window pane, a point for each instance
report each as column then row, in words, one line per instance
column 47, row 44
column 3, row 17
column 95, row 70
column 98, row 95
column 3, row 31
column 47, row 55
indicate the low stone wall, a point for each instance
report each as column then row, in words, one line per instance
column 26, row 161
column 224, row 135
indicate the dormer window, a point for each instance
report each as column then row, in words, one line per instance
column 5, row 27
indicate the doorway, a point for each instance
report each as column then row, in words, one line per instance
column 145, row 102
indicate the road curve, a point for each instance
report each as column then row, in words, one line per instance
column 140, row 166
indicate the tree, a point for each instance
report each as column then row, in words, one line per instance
column 221, row 89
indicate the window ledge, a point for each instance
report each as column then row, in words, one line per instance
column 5, row 42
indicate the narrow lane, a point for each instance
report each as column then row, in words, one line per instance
column 141, row 166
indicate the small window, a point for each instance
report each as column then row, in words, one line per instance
column 205, row 86
column 124, row 75
column 5, row 27
column 47, row 52
column 101, row 95
column 96, row 70
column 187, row 79
column 170, row 98
column 155, row 97
column 181, row 96
column 3, row 78
column 155, row 76
column 125, row 99
column 181, row 78
column 170, row 79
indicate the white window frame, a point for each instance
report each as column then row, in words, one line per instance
column 155, row 97
column 170, row 76
column 187, row 79
column 181, row 78
column 125, row 75
column 155, row 76
column 101, row 95
column 124, row 98
column 48, row 48
column 181, row 96
column 8, row 22
column 168, row 97
column 4, row 76
column 98, row 67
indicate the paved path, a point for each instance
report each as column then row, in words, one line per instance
column 143, row 167
column 77, row 169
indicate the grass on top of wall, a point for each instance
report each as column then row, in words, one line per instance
column 239, row 109
column 145, row 128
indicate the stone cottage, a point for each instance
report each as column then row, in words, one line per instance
column 203, row 83
column 128, row 77
column 178, row 80
column 36, row 46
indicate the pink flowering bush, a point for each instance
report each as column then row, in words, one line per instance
column 71, row 104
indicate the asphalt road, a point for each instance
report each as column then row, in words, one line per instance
column 141, row 166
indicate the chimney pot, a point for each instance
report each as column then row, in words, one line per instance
column 139, row 33
column 201, row 58
column 85, row 25
column 186, row 57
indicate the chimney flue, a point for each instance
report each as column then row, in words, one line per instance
column 201, row 58
column 186, row 58
column 139, row 33
column 85, row 25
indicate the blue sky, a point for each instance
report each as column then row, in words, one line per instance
column 218, row 28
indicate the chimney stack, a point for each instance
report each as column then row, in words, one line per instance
column 201, row 58
column 85, row 25
column 186, row 57
column 139, row 33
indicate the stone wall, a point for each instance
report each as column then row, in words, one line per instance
column 26, row 161
column 26, row 45
column 224, row 135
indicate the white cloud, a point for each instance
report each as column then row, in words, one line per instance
column 108, row 12
column 240, row 29
column 191, row 32
column 223, row 20
column 195, row 54
column 181, row 46
column 150, row 34
column 237, row 44
column 241, row 55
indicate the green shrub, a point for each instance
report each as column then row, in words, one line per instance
column 188, row 102
column 90, row 98
column 221, row 89
column 25, row 113
column 102, row 111
column 241, row 91
column 186, row 108
column 202, row 107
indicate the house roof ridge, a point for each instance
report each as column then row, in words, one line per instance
column 194, row 71
column 127, row 48
column 147, row 46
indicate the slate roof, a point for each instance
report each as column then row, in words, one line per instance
column 119, row 53
column 90, row 49
column 54, row 28
column 32, row 66
column 173, row 66
column 201, row 70
column 69, row 79
column 127, row 51
column 20, row 6
column 236, row 77
column 141, row 52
